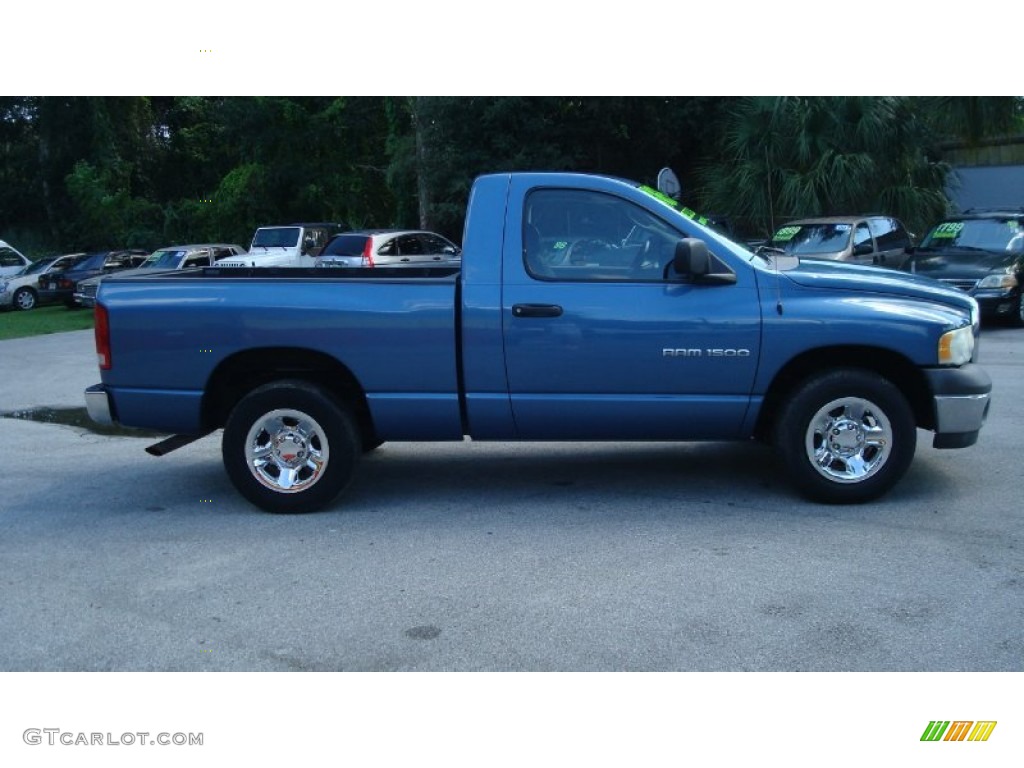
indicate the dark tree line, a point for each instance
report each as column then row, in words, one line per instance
column 80, row 173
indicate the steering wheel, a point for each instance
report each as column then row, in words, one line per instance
column 579, row 250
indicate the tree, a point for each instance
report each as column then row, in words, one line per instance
column 781, row 158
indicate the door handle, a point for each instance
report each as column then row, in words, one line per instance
column 536, row 310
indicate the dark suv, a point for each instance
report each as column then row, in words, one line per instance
column 61, row 287
column 980, row 252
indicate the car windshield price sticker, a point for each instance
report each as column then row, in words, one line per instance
column 948, row 229
column 785, row 234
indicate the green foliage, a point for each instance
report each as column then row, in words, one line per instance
column 782, row 158
column 92, row 172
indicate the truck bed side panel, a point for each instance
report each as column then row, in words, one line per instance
column 397, row 337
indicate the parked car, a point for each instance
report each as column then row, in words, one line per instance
column 880, row 240
column 12, row 261
column 981, row 252
column 294, row 245
column 389, row 248
column 164, row 260
column 61, row 287
column 21, row 291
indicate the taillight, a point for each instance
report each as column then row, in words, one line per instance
column 368, row 253
column 65, row 283
column 102, row 329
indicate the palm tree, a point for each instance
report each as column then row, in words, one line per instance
column 789, row 157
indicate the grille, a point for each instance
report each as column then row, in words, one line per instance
column 963, row 285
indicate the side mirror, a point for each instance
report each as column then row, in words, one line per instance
column 862, row 249
column 692, row 257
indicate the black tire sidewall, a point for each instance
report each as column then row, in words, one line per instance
column 795, row 417
column 340, row 432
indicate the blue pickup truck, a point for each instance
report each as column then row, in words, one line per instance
column 585, row 308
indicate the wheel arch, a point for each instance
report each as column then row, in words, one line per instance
column 239, row 374
column 904, row 375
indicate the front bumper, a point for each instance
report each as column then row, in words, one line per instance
column 98, row 405
column 86, row 299
column 996, row 303
column 961, row 399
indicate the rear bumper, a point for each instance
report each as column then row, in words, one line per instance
column 98, row 405
column 961, row 399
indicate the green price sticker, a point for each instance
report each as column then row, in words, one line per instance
column 948, row 229
column 785, row 234
column 561, row 244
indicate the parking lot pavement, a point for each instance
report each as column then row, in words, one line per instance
column 480, row 556
column 47, row 370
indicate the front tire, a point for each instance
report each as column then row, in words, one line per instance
column 290, row 446
column 24, row 299
column 847, row 436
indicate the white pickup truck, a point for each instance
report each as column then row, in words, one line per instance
column 293, row 245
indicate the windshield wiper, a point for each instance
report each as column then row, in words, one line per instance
column 766, row 252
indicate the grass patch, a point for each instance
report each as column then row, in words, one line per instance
column 52, row 319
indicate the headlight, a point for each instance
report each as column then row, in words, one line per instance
column 999, row 281
column 956, row 347
column 3, row 286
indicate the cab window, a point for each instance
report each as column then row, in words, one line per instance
column 581, row 235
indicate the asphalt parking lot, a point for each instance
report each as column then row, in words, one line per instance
column 481, row 556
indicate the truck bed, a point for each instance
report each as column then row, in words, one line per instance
column 393, row 328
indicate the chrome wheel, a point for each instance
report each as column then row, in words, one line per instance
column 848, row 440
column 287, row 450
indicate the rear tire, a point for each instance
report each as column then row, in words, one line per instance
column 290, row 446
column 846, row 437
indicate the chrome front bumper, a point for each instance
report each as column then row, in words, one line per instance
column 962, row 397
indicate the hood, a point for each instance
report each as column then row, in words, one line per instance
column 812, row 273
column 259, row 254
column 961, row 263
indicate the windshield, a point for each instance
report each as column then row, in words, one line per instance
column 276, row 237
column 36, row 267
column 93, row 261
column 724, row 238
column 808, row 239
column 163, row 260
column 989, row 234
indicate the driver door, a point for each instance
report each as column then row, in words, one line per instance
column 600, row 344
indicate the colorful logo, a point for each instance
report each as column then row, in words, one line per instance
column 958, row 730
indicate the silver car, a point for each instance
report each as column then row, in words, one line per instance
column 869, row 239
column 164, row 260
column 389, row 248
